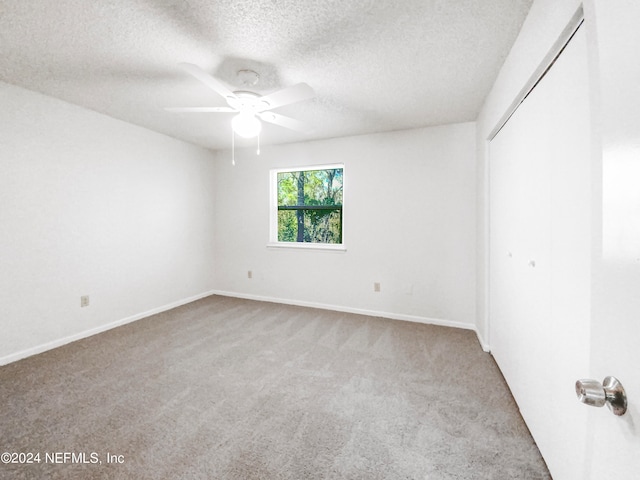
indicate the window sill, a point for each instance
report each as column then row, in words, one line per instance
column 308, row 246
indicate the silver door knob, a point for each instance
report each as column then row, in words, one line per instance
column 596, row 394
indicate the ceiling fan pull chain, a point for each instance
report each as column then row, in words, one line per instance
column 233, row 148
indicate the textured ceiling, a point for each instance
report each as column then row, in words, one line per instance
column 374, row 65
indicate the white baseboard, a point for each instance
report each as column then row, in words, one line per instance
column 484, row 344
column 14, row 357
column 359, row 311
column 372, row 313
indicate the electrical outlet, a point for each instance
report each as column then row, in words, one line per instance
column 376, row 287
column 249, row 274
column 84, row 301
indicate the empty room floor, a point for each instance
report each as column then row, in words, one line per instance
column 226, row 388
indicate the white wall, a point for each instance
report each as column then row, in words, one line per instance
column 92, row 205
column 409, row 224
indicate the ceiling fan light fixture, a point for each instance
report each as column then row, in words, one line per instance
column 246, row 125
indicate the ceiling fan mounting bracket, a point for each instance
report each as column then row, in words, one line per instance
column 248, row 78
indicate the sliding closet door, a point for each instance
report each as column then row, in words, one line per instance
column 540, row 256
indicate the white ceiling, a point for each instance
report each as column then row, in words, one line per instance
column 374, row 65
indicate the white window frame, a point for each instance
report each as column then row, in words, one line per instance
column 273, row 210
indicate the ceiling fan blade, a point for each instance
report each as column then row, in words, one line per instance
column 293, row 94
column 207, row 79
column 200, row 109
column 283, row 121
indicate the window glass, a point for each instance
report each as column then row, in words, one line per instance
column 309, row 205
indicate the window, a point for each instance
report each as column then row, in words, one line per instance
column 307, row 206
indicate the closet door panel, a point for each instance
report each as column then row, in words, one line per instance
column 540, row 256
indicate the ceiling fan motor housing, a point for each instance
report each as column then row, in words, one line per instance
column 247, row 101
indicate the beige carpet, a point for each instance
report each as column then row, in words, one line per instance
column 234, row 389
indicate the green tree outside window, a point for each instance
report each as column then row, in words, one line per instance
column 310, row 206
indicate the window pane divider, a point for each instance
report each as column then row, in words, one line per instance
column 309, row 207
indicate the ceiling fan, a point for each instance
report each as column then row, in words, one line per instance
column 250, row 107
